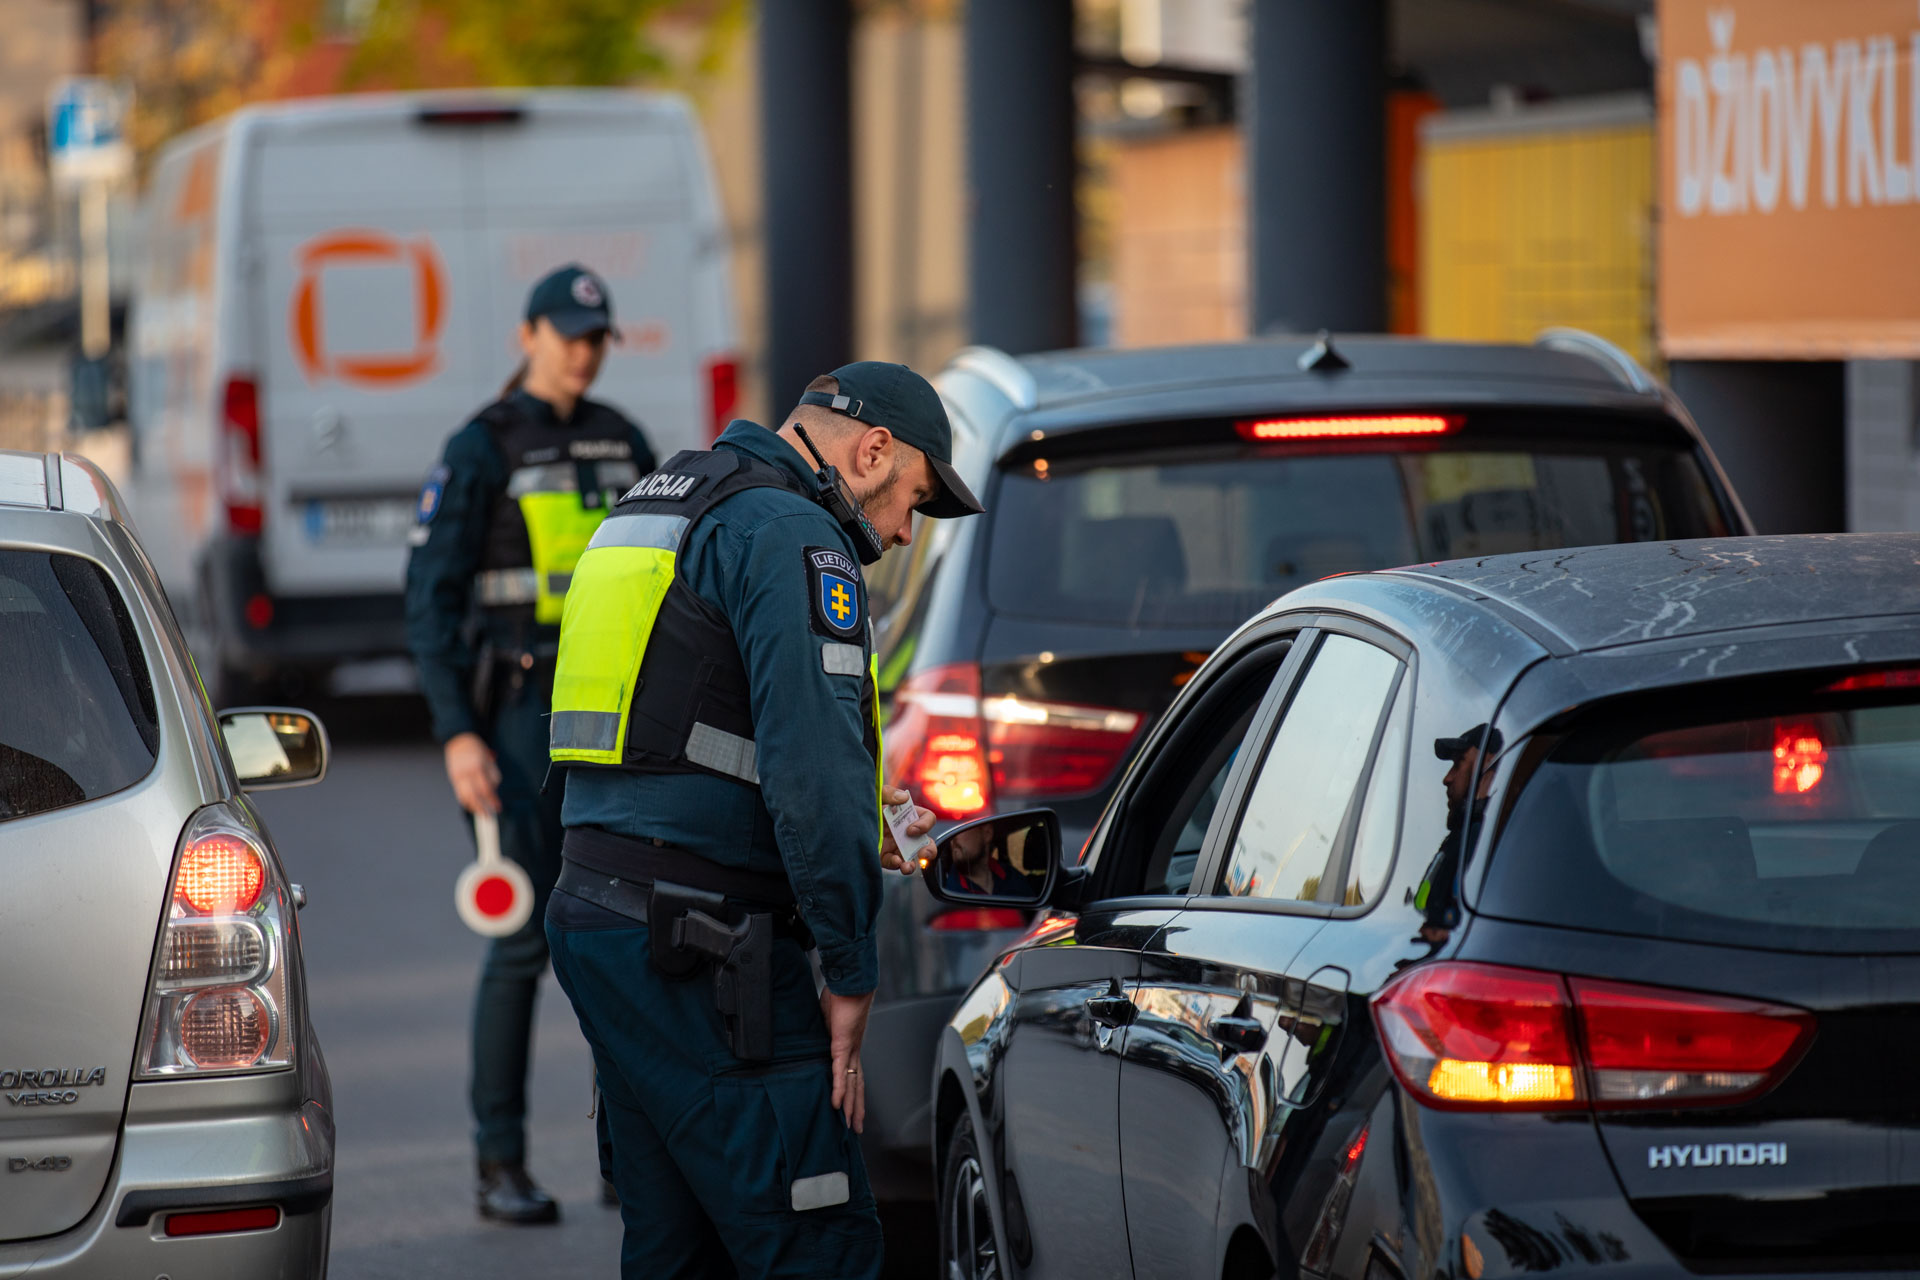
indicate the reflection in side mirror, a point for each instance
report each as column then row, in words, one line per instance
column 275, row 746
column 1005, row 861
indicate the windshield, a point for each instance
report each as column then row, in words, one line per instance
column 77, row 717
column 1209, row 538
column 1797, row 830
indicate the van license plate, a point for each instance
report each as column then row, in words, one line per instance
column 359, row 521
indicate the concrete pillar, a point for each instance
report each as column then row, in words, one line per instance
column 806, row 166
column 1779, row 427
column 1315, row 114
column 1021, row 240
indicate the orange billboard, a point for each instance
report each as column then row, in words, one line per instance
column 1790, row 178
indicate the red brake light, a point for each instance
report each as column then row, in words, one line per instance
column 1348, row 426
column 1799, row 759
column 1054, row 749
column 219, row 874
column 1651, row 1046
column 935, row 745
column 971, row 918
column 1481, row 1037
column 723, row 393
column 240, row 479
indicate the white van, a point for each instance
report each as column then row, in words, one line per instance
column 331, row 288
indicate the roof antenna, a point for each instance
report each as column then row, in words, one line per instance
column 1322, row 358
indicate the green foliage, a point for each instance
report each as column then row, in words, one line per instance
column 511, row 42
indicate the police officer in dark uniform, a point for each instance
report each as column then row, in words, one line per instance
column 716, row 708
column 502, row 522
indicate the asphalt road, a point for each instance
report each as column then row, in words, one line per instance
column 391, row 971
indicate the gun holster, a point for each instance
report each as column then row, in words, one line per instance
column 743, row 980
column 687, row 928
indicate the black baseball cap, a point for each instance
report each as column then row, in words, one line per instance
column 1485, row 737
column 574, row 301
column 895, row 397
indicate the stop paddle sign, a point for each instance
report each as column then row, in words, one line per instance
column 493, row 895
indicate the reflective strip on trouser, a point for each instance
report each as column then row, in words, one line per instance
column 608, row 618
column 559, row 529
column 516, row 586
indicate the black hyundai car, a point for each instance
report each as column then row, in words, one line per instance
column 1535, row 912
column 1142, row 504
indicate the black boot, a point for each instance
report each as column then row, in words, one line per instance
column 507, row 1194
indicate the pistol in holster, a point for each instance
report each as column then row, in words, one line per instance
column 688, row 928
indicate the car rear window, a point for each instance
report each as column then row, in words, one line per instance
column 1207, row 538
column 77, row 717
column 1798, row 830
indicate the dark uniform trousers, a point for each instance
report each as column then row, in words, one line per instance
column 530, row 834
column 707, row 1148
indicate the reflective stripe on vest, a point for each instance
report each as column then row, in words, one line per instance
column 516, row 586
column 622, row 577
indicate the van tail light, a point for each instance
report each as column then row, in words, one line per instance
column 1481, row 1037
column 723, row 393
column 222, row 997
column 972, row 919
column 241, row 481
column 960, row 752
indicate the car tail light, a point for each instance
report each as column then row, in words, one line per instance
column 960, row 752
column 970, row 919
column 1052, row 749
column 1481, row 1037
column 936, row 743
column 723, row 393
column 217, row 1221
column 1647, row 1046
column 222, row 996
column 1348, row 426
column 240, row 475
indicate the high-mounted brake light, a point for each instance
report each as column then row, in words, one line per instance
column 1348, row 426
column 1905, row 679
column 483, row 113
column 1480, row 1037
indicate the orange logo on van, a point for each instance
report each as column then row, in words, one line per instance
column 382, row 369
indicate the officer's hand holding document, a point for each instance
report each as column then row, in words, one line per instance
column 907, row 825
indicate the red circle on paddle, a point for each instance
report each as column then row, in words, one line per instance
column 493, row 896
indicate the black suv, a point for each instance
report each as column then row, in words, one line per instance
column 1140, row 505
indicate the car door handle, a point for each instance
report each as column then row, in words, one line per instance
column 1112, row 1009
column 1241, row 1034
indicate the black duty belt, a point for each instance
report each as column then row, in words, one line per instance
column 699, row 915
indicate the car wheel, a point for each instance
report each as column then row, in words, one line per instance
column 967, row 1247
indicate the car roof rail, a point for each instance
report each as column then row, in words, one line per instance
column 1001, row 372
column 58, row 482
column 1578, row 342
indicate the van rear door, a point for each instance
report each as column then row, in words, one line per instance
column 618, row 184
column 372, row 323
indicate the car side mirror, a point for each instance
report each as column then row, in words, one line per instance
column 1010, row 860
column 275, row 747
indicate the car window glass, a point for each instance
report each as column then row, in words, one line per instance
column 1374, row 838
column 1177, row 850
column 77, row 718
column 1300, row 803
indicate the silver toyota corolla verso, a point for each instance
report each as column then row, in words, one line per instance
column 164, row 1108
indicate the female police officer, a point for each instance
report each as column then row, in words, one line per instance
column 502, row 519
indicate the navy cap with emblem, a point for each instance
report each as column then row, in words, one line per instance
column 574, row 300
column 895, row 397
